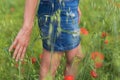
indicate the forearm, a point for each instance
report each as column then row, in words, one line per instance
column 79, row 11
column 29, row 13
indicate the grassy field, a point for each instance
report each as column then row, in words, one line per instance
column 100, row 40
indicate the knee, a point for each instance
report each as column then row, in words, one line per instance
column 79, row 56
column 75, row 59
column 69, row 61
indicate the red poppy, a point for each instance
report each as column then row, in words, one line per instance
column 106, row 41
column 84, row 31
column 104, row 34
column 33, row 60
column 68, row 77
column 98, row 59
column 40, row 56
column 93, row 74
column 94, row 55
column 97, row 56
column 98, row 64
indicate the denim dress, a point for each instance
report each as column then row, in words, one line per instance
column 61, row 32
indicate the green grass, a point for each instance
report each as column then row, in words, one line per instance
column 97, row 16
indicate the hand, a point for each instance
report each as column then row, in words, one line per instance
column 79, row 13
column 20, row 44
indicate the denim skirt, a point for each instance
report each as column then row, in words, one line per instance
column 61, row 32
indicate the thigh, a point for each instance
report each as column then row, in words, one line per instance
column 49, row 57
column 76, row 52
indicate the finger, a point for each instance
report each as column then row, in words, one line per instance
column 16, row 51
column 13, row 45
column 19, row 53
column 23, row 53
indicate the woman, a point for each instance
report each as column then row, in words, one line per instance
column 67, row 41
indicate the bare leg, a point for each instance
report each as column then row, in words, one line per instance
column 49, row 63
column 71, row 66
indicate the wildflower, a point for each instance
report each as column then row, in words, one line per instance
column 98, row 64
column 98, row 59
column 68, row 77
column 96, row 55
column 106, row 41
column 33, row 60
column 93, row 74
column 104, row 34
column 84, row 31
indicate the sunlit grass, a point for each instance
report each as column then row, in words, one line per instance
column 98, row 16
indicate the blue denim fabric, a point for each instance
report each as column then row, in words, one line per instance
column 69, row 37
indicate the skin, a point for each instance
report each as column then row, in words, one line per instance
column 22, row 39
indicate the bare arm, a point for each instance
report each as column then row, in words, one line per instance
column 29, row 13
column 80, row 14
column 22, row 39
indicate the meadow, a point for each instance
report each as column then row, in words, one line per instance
column 100, row 40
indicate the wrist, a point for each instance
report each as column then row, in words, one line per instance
column 27, row 29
